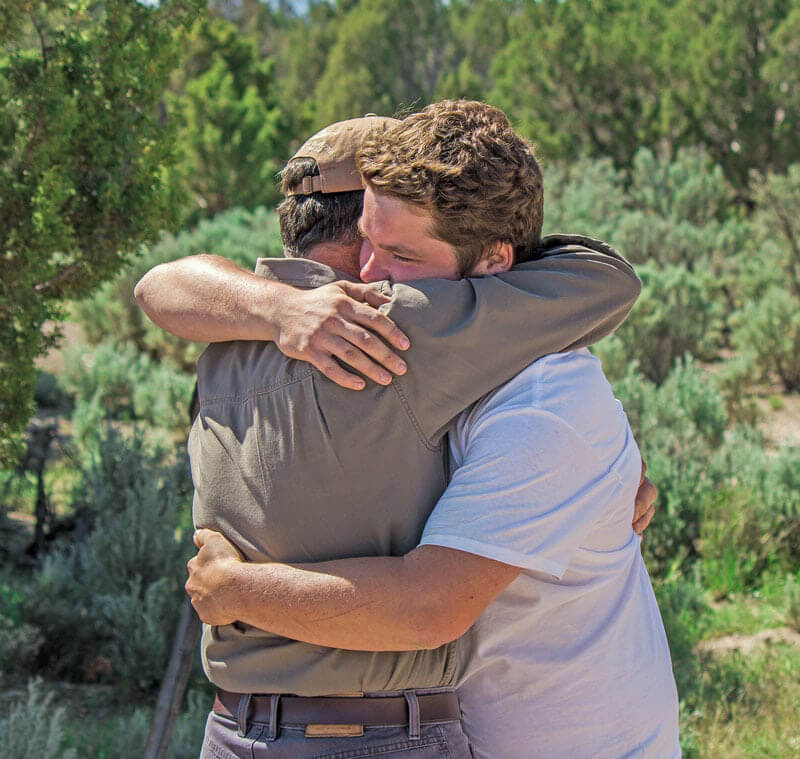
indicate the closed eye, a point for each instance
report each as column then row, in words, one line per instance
column 404, row 259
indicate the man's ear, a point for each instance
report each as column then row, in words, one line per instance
column 501, row 258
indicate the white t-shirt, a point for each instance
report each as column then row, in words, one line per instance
column 571, row 660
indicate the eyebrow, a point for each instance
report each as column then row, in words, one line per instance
column 401, row 249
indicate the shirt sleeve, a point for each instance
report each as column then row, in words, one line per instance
column 529, row 490
column 472, row 335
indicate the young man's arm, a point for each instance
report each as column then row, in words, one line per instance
column 210, row 299
column 468, row 336
column 424, row 599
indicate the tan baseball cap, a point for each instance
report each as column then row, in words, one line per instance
column 334, row 149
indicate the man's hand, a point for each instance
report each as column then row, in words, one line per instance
column 208, row 572
column 644, row 506
column 341, row 321
column 210, row 299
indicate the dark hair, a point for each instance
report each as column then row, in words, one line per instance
column 307, row 220
column 462, row 161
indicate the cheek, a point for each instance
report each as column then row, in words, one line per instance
column 400, row 271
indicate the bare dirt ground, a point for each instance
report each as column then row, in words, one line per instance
column 782, row 426
column 747, row 643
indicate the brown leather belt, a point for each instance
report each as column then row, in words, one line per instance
column 333, row 710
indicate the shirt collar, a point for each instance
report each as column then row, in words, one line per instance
column 300, row 272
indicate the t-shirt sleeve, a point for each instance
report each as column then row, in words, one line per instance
column 527, row 494
column 472, row 335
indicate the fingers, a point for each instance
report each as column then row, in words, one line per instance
column 375, row 297
column 645, row 497
column 334, row 372
column 353, row 357
column 644, row 505
column 367, row 316
column 367, row 345
column 644, row 471
column 358, row 348
column 381, row 325
column 640, row 525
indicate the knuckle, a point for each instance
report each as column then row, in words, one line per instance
column 328, row 368
column 350, row 353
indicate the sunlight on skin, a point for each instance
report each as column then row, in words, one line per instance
column 397, row 244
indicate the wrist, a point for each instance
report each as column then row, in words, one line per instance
column 230, row 586
column 275, row 309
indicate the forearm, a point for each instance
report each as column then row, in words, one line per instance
column 210, row 299
column 362, row 604
column 421, row 600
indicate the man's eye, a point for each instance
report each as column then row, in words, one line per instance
column 403, row 259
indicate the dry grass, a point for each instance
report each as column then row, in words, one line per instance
column 762, row 720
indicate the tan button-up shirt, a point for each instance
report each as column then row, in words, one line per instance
column 291, row 467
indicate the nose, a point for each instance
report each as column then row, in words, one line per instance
column 371, row 268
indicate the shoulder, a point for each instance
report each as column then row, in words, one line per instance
column 553, row 384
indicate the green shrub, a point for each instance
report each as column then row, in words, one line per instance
column 190, row 727
column 792, row 599
column 585, row 197
column 34, row 727
column 113, row 380
column 678, row 312
column 144, row 613
column 681, row 211
column 677, row 427
column 736, row 380
column 19, row 642
column 125, row 737
column 128, row 737
column 735, row 544
column 769, row 328
column 112, row 313
column 776, row 223
column 675, row 211
column 614, row 356
column 117, row 592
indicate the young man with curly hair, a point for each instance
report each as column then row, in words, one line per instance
column 534, row 529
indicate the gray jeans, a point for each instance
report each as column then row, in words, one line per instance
column 439, row 740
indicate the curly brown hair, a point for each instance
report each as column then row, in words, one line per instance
column 462, row 161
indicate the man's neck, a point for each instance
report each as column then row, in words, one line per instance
column 343, row 257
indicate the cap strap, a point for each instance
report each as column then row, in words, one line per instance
column 307, row 186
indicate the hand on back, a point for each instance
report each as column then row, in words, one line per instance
column 341, row 321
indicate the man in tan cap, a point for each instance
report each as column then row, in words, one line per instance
column 292, row 468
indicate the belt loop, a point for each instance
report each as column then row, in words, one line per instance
column 272, row 730
column 241, row 714
column 413, row 714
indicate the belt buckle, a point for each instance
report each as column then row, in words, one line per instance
column 320, row 730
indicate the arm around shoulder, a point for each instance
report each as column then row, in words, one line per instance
column 208, row 299
column 472, row 335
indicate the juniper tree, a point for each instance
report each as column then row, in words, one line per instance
column 83, row 145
